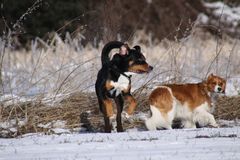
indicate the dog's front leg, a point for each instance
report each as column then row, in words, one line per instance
column 119, row 103
column 204, row 118
column 108, row 127
column 107, row 112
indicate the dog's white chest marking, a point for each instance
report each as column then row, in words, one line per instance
column 122, row 83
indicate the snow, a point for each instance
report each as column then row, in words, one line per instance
column 22, row 83
column 228, row 15
column 199, row 144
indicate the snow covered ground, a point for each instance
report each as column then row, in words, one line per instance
column 192, row 144
column 28, row 75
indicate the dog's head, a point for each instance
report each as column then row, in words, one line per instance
column 216, row 84
column 135, row 60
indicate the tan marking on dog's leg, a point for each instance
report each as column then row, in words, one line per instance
column 108, row 107
column 132, row 104
column 109, row 85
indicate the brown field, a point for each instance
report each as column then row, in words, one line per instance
column 81, row 110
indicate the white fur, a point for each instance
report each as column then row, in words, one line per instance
column 113, row 122
column 203, row 116
column 189, row 118
column 216, row 88
column 184, row 113
column 122, row 83
column 157, row 120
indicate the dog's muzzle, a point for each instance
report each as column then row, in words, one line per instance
column 150, row 68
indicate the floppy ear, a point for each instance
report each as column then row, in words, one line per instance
column 138, row 48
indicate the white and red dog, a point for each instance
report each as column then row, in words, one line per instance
column 191, row 103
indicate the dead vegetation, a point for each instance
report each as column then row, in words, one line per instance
column 228, row 108
column 80, row 110
column 62, row 70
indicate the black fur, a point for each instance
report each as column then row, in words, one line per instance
column 110, row 72
column 106, row 50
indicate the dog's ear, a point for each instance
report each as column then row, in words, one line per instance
column 124, row 49
column 138, row 48
column 210, row 76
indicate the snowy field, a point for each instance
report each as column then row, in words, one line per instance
column 192, row 144
column 48, row 73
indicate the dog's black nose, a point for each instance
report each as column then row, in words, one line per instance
column 219, row 89
column 150, row 68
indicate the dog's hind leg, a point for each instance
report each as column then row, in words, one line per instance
column 132, row 104
column 119, row 103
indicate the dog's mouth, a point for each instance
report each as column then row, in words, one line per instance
column 141, row 70
column 219, row 89
column 221, row 92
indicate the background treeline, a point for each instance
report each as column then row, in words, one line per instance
column 99, row 19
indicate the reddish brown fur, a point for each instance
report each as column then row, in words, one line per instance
column 108, row 107
column 213, row 80
column 132, row 104
column 192, row 94
column 108, row 85
column 162, row 99
column 137, row 68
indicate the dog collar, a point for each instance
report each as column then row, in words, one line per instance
column 129, row 77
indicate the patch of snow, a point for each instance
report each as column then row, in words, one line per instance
column 203, row 18
column 10, row 99
column 227, row 14
column 60, row 131
column 181, row 144
column 59, row 124
column 227, row 123
column 53, row 124
column 231, row 90
column 13, row 123
column 48, row 125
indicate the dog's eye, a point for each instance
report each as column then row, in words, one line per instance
column 214, row 83
column 141, row 59
column 220, row 84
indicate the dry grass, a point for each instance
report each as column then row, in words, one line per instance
column 81, row 110
column 228, row 108
column 65, row 67
column 59, row 77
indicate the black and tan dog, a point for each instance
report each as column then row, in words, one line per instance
column 114, row 80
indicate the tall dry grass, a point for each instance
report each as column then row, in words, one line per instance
column 40, row 84
column 64, row 67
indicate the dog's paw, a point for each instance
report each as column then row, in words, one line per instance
column 214, row 125
column 113, row 122
column 127, row 117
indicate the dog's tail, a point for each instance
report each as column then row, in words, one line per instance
column 107, row 48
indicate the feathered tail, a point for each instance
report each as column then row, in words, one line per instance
column 106, row 50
